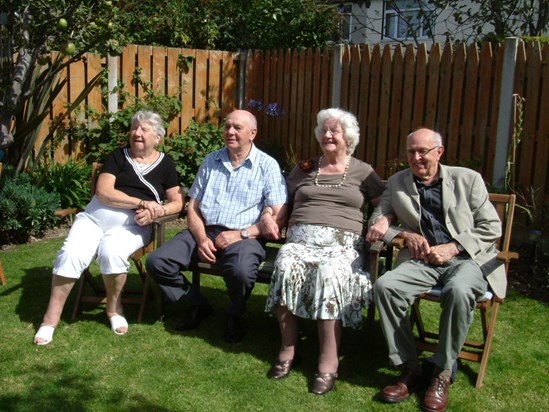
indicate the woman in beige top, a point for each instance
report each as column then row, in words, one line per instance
column 319, row 271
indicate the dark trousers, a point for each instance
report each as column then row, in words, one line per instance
column 239, row 263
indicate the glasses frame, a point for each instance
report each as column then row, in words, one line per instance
column 420, row 152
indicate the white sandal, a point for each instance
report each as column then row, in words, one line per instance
column 45, row 333
column 118, row 321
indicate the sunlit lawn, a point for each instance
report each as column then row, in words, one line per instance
column 89, row 368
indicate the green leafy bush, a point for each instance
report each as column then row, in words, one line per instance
column 25, row 209
column 70, row 180
column 188, row 150
column 111, row 129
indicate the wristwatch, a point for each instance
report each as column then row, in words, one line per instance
column 460, row 248
column 244, row 234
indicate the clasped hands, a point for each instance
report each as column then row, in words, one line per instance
column 208, row 247
column 147, row 212
column 435, row 255
column 417, row 244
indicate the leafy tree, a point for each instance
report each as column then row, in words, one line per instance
column 230, row 24
column 39, row 39
column 505, row 18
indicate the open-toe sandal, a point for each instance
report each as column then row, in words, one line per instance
column 117, row 322
column 45, row 333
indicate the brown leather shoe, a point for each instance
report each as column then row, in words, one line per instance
column 401, row 389
column 323, row 383
column 280, row 369
column 436, row 397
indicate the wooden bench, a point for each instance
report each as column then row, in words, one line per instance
column 263, row 274
column 267, row 266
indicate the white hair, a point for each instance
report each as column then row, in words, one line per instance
column 348, row 122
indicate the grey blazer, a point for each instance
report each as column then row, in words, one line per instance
column 470, row 217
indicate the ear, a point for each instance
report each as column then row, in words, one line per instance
column 440, row 151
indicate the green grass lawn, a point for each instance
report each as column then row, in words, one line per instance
column 89, row 368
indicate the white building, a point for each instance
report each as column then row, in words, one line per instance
column 404, row 21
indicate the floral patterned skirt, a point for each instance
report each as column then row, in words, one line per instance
column 319, row 274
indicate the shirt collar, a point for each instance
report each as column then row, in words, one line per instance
column 223, row 155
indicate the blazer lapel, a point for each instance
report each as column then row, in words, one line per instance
column 448, row 186
column 412, row 189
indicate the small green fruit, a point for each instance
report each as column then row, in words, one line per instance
column 62, row 23
column 69, row 49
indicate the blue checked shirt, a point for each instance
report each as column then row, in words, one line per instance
column 234, row 198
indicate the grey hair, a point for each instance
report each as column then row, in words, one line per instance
column 151, row 118
column 348, row 122
column 437, row 137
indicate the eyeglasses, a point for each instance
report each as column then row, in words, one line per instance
column 333, row 132
column 420, row 152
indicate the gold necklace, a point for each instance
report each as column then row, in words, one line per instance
column 342, row 179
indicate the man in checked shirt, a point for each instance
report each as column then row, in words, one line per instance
column 229, row 194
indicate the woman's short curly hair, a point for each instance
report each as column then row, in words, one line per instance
column 347, row 121
column 151, row 118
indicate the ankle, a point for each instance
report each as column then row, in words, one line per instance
column 328, row 367
column 286, row 354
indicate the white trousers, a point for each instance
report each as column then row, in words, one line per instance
column 109, row 234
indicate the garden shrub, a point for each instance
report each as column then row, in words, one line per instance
column 25, row 209
column 71, row 180
column 188, row 150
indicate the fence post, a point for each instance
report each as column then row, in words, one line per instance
column 242, row 73
column 505, row 111
column 112, row 83
column 336, row 75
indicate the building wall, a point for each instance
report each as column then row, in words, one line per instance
column 365, row 16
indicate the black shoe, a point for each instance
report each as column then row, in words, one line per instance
column 196, row 314
column 233, row 330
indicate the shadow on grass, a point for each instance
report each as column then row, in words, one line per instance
column 363, row 354
column 70, row 388
column 35, row 292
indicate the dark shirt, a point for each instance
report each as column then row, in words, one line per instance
column 150, row 184
column 432, row 213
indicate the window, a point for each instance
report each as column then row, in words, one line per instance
column 405, row 18
column 345, row 12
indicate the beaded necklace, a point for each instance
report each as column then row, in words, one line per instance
column 342, row 179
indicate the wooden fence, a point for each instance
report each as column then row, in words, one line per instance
column 454, row 89
column 394, row 91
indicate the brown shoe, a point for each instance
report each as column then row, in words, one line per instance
column 323, row 383
column 436, row 397
column 401, row 389
column 280, row 369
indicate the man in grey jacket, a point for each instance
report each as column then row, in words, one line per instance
column 449, row 226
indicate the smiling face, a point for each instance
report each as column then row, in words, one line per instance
column 240, row 131
column 331, row 139
column 143, row 137
column 424, row 151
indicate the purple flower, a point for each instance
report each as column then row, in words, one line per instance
column 255, row 104
column 274, row 110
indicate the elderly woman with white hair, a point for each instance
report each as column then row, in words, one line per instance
column 136, row 185
column 319, row 272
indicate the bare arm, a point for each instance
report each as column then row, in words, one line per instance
column 195, row 223
column 108, row 195
column 273, row 219
column 173, row 205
